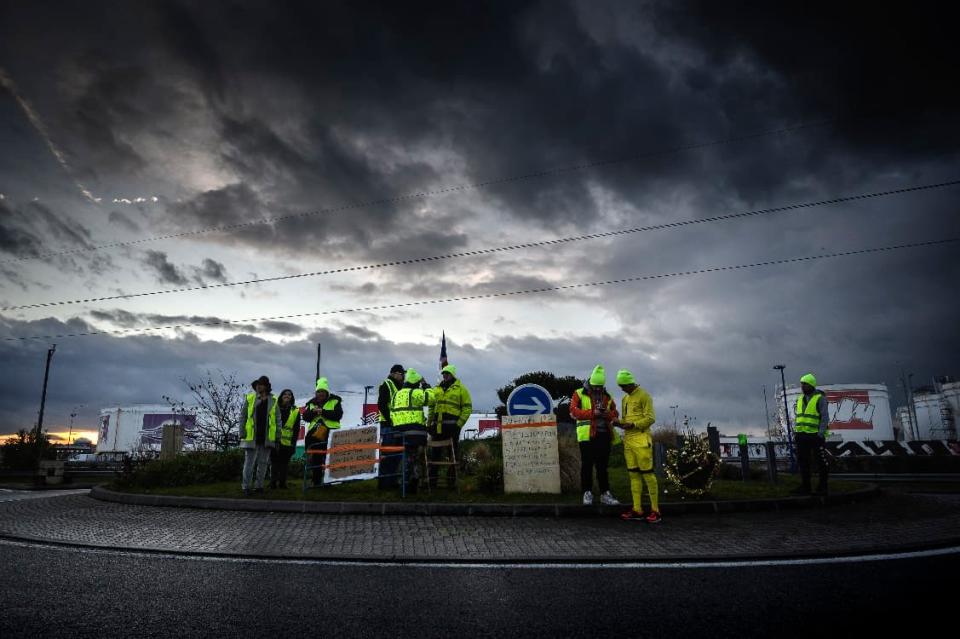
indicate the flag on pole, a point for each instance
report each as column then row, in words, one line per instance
column 443, row 351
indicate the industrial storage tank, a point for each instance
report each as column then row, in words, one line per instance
column 128, row 429
column 951, row 398
column 935, row 417
column 905, row 421
column 858, row 412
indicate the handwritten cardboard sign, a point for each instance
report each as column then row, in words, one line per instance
column 531, row 458
column 350, row 448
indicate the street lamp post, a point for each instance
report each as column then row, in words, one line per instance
column 675, row 407
column 786, row 418
column 70, row 434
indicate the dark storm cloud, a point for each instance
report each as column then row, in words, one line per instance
column 164, row 270
column 15, row 240
column 126, row 319
column 887, row 62
column 360, row 332
column 33, row 229
column 282, row 328
column 310, row 106
column 120, row 219
column 211, row 270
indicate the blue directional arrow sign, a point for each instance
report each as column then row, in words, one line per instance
column 529, row 399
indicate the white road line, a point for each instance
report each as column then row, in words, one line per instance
column 600, row 565
column 7, row 494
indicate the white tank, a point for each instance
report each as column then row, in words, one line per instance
column 126, row 429
column 951, row 397
column 858, row 412
column 934, row 416
column 904, row 419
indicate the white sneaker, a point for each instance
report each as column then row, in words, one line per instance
column 608, row 499
column 588, row 498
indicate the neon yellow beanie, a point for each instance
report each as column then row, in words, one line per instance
column 412, row 376
column 323, row 384
column 809, row 379
column 598, row 377
column 625, row 377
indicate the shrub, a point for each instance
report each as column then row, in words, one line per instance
column 474, row 456
column 490, row 476
column 692, row 469
column 200, row 467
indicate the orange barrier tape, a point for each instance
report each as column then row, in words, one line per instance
column 353, row 447
column 362, row 462
column 534, row 425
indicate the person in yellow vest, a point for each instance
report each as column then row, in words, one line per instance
column 451, row 410
column 288, row 428
column 389, row 466
column 258, row 433
column 322, row 414
column 812, row 421
column 595, row 411
column 637, row 416
column 407, row 414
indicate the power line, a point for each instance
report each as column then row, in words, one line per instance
column 499, row 249
column 425, row 194
column 466, row 298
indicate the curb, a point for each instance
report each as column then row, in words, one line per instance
column 473, row 510
column 400, row 560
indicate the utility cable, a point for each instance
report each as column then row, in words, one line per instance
column 498, row 249
column 466, row 298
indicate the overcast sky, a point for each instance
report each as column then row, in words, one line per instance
column 122, row 122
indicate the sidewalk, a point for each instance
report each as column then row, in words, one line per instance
column 890, row 522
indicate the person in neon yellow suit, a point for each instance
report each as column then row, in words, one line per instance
column 637, row 416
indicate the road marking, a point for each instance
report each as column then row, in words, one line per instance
column 7, row 494
column 600, row 565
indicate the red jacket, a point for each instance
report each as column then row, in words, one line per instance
column 578, row 413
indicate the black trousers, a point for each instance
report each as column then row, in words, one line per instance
column 315, row 460
column 451, row 431
column 279, row 463
column 389, row 462
column 810, row 452
column 595, row 453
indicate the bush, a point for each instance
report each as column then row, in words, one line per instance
column 692, row 469
column 490, row 476
column 200, row 467
column 474, row 456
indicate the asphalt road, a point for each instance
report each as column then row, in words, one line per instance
column 66, row 592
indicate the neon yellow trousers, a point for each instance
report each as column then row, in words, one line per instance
column 640, row 466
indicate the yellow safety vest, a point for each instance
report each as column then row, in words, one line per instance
column 808, row 418
column 286, row 429
column 249, row 429
column 407, row 407
column 393, row 393
column 583, row 425
column 320, row 422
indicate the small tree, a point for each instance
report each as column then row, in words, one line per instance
column 20, row 450
column 217, row 403
column 559, row 388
